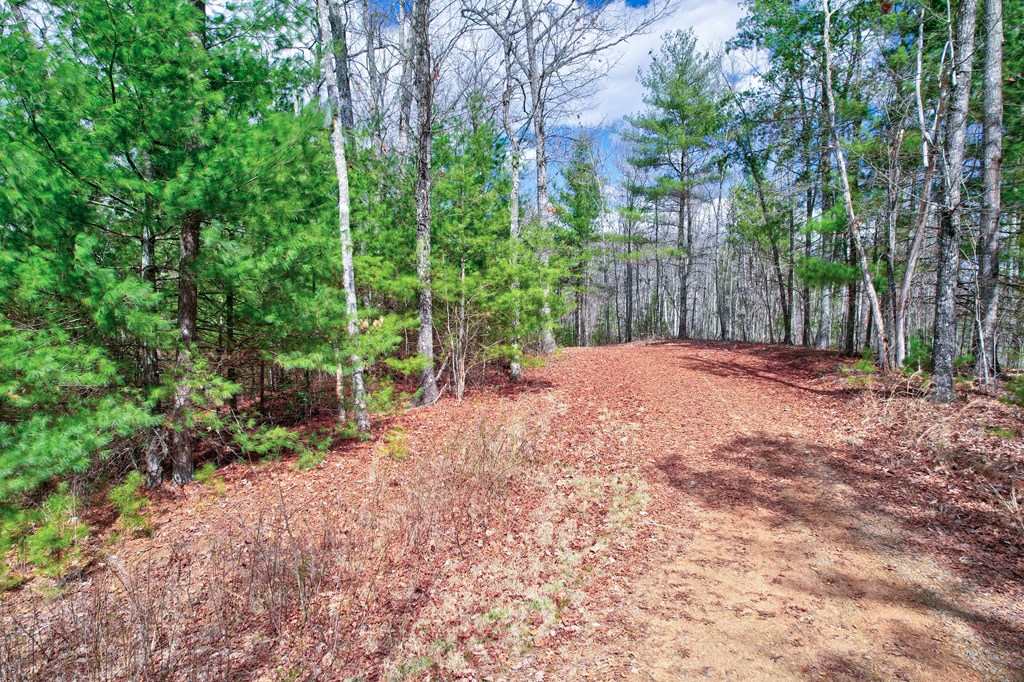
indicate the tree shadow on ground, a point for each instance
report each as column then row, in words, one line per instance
column 796, row 482
column 778, row 364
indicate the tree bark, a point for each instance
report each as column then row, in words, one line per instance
column 370, row 28
column 992, row 152
column 851, row 215
column 182, row 437
column 336, row 78
column 405, row 94
column 338, row 47
column 944, row 338
column 547, row 343
column 682, row 316
column 925, row 204
column 424, row 79
column 515, row 166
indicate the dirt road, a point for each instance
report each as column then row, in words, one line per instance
column 683, row 511
column 762, row 560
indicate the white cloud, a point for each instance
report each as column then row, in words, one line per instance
column 712, row 21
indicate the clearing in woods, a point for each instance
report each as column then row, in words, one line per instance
column 764, row 556
column 686, row 511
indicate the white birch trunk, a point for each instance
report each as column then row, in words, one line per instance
column 344, row 229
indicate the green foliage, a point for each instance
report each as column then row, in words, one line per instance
column 1001, row 432
column 1014, row 390
column 816, row 272
column 314, row 451
column 54, row 544
column 533, row 361
column 385, row 399
column 396, row 444
column 685, row 108
column 118, row 123
column 962, row 362
column 62, row 404
column 310, row 459
column 578, row 204
column 867, row 363
column 267, row 442
column 919, row 354
column 488, row 289
column 130, row 503
column 207, row 475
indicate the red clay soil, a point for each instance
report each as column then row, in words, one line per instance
column 686, row 511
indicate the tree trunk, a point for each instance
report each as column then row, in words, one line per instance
column 851, row 215
column 547, row 344
column 370, row 27
column 338, row 47
column 182, row 404
column 944, row 340
column 805, row 331
column 925, row 204
column 515, row 164
column 148, row 272
column 681, row 273
column 336, row 78
column 424, row 78
column 182, row 437
column 629, row 283
column 405, row 48
column 992, row 152
column 656, row 331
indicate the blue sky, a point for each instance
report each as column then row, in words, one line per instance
column 712, row 21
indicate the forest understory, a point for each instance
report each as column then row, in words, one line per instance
column 649, row 511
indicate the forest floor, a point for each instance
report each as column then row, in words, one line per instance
column 651, row 511
column 780, row 544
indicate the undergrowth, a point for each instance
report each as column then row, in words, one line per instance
column 207, row 475
column 130, row 504
column 286, row 586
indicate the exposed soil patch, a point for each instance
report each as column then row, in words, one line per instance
column 778, row 549
column 660, row 511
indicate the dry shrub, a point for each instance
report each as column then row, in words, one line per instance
column 309, row 590
column 973, row 447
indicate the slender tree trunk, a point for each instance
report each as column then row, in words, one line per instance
column 784, row 300
column 182, row 405
column 851, row 215
column 148, row 273
column 657, row 272
column 547, row 344
column 424, row 78
column 992, row 153
column 156, row 447
column 681, row 273
column 182, row 438
column 515, row 165
column 823, row 337
column 944, row 341
column 229, row 344
column 373, row 77
column 925, row 204
column 850, row 329
column 895, row 178
column 629, row 282
column 335, row 77
column 805, row 294
column 406, row 48
column 618, row 307
column 339, row 52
